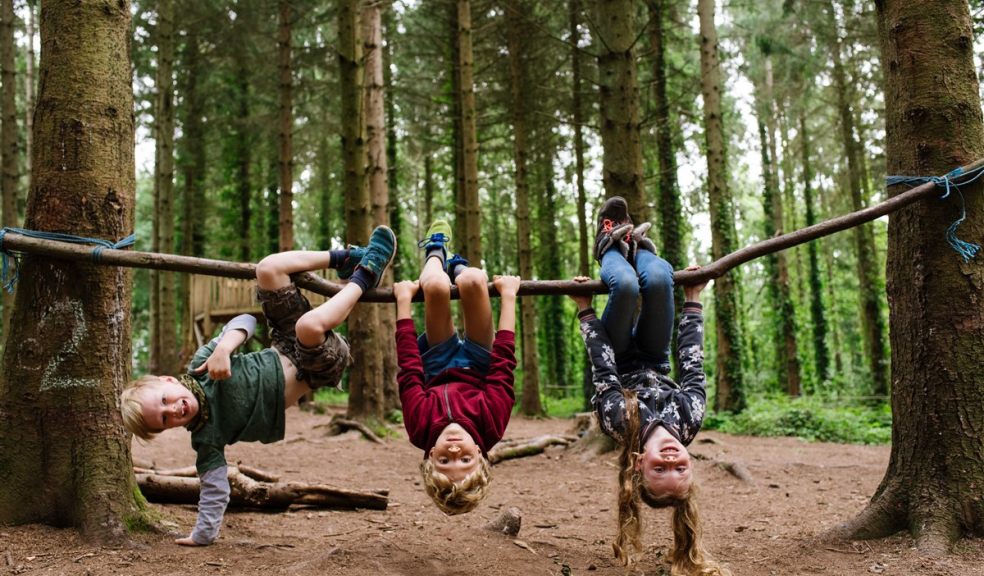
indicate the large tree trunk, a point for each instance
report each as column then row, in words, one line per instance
column 933, row 483
column 378, row 173
column 166, row 310
column 868, row 289
column 618, row 88
column 390, row 30
column 243, row 160
column 727, row 373
column 821, row 354
column 64, row 457
column 530, row 400
column 285, row 164
column 365, row 387
column 29, row 87
column 8, row 140
column 471, row 241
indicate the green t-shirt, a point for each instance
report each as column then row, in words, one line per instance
column 248, row 407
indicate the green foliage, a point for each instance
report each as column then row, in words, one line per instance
column 813, row 418
column 564, row 407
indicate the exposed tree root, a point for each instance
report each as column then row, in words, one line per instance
column 884, row 516
column 508, row 523
column 537, row 445
column 736, row 469
column 340, row 425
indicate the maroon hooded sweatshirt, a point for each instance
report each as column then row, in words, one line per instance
column 480, row 403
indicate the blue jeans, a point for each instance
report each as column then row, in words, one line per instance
column 455, row 352
column 647, row 337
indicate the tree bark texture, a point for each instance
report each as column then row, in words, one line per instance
column 285, row 155
column 868, row 289
column 821, row 354
column 577, row 117
column 936, row 467
column 728, row 375
column 365, row 387
column 618, row 88
column 470, row 243
column 64, row 456
column 788, row 359
column 530, row 400
column 166, row 310
column 378, row 174
column 8, row 139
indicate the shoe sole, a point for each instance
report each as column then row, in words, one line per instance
column 392, row 254
column 608, row 203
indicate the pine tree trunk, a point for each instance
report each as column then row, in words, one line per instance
column 789, row 370
column 868, row 289
column 64, row 457
column 8, row 140
column 727, row 374
column 243, row 161
column 324, row 167
column 471, row 242
column 390, row 31
column 936, row 468
column 286, row 139
column 29, row 87
column 366, row 399
column 530, row 400
column 821, row 354
column 378, row 173
column 164, row 188
column 619, row 105
column 192, row 168
column 584, row 264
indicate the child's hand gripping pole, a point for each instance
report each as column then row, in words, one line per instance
column 583, row 301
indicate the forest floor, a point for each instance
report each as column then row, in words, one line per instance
column 767, row 527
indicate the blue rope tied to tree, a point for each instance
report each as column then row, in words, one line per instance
column 8, row 253
column 952, row 181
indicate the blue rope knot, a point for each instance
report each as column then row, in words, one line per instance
column 950, row 182
column 6, row 253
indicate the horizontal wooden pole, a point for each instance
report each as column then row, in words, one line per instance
column 210, row 267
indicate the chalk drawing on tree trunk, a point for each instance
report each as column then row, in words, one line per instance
column 61, row 312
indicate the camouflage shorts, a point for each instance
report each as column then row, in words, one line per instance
column 319, row 366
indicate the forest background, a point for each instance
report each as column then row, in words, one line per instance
column 243, row 142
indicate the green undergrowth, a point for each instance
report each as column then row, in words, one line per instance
column 812, row 418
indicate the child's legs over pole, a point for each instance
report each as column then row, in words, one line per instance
column 654, row 329
column 273, row 272
column 434, row 281
column 476, row 306
column 623, row 292
column 311, row 327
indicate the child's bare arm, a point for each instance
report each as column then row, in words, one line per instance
column 404, row 292
column 218, row 364
column 508, row 287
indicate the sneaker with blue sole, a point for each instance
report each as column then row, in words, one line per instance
column 438, row 237
column 379, row 253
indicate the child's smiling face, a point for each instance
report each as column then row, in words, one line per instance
column 167, row 404
column 665, row 465
column 455, row 453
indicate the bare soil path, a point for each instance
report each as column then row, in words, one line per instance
column 766, row 527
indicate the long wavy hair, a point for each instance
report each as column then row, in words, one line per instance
column 688, row 556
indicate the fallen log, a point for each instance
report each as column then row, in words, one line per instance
column 191, row 471
column 530, row 448
column 250, row 493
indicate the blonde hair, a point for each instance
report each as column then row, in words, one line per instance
column 457, row 498
column 132, row 408
column 688, row 556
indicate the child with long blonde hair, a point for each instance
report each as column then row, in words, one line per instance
column 652, row 417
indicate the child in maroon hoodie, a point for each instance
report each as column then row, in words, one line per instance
column 457, row 393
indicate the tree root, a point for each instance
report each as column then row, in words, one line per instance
column 884, row 516
column 508, row 523
column 528, row 448
column 340, row 425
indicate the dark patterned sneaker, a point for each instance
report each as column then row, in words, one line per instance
column 438, row 238
column 347, row 267
column 379, row 254
column 640, row 241
column 613, row 217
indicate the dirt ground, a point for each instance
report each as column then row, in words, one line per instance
column 766, row 527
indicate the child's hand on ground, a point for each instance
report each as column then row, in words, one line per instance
column 506, row 285
column 691, row 292
column 218, row 365
column 186, row 541
column 405, row 290
column 583, row 301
